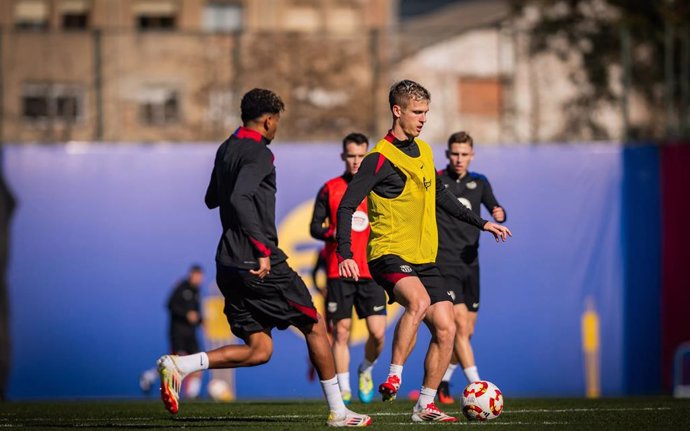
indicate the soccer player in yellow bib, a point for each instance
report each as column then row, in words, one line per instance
column 400, row 183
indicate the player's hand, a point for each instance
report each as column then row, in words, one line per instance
column 498, row 214
column 264, row 268
column 192, row 317
column 498, row 231
column 348, row 269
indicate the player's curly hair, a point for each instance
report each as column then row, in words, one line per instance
column 460, row 138
column 258, row 102
column 403, row 91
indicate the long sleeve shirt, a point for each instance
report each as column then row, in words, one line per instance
column 243, row 187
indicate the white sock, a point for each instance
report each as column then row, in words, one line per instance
column 191, row 363
column 344, row 381
column 366, row 366
column 426, row 397
column 449, row 372
column 331, row 390
column 396, row 370
column 471, row 374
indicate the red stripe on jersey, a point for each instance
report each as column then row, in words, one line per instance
column 245, row 133
column 304, row 309
column 265, row 251
column 389, row 136
column 382, row 159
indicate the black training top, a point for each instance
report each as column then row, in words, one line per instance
column 243, row 185
column 460, row 240
column 183, row 299
column 377, row 174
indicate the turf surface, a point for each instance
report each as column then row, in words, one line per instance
column 520, row 414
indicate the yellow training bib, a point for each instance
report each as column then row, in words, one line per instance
column 406, row 225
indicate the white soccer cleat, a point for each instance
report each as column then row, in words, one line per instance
column 431, row 413
column 171, row 382
column 349, row 419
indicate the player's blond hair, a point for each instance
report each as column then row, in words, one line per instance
column 403, row 91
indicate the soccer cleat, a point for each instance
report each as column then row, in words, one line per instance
column 389, row 388
column 347, row 397
column 444, row 396
column 431, row 413
column 366, row 387
column 171, row 382
column 349, row 419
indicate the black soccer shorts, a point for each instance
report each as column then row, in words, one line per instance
column 463, row 280
column 368, row 298
column 387, row 270
column 280, row 300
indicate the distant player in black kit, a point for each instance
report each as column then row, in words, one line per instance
column 184, row 307
column 458, row 251
column 261, row 291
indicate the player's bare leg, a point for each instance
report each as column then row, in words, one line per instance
column 411, row 294
column 465, row 321
column 376, row 327
column 257, row 350
column 439, row 320
column 341, row 355
column 321, row 356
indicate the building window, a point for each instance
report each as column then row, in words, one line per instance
column 31, row 15
column 158, row 106
column 75, row 14
column 53, row 102
column 480, row 97
column 156, row 15
column 222, row 17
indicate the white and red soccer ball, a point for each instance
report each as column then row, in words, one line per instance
column 482, row 401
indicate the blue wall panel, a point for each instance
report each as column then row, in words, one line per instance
column 102, row 232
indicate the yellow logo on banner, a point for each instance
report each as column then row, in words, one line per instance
column 302, row 249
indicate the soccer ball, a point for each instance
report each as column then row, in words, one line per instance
column 220, row 390
column 482, row 401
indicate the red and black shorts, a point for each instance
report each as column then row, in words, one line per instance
column 387, row 270
column 280, row 300
column 368, row 298
column 463, row 280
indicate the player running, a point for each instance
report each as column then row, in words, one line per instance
column 399, row 179
column 368, row 298
column 261, row 291
column 458, row 257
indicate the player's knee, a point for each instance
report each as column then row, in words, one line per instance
column 261, row 354
column 445, row 334
column 377, row 336
column 342, row 335
column 419, row 306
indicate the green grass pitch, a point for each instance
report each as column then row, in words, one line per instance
column 659, row 413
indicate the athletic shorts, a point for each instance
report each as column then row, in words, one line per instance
column 368, row 298
column 280, row 300
column 389, row 269
column 463, row 280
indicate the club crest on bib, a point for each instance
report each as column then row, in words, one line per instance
column 360, row 221
column 472, row 185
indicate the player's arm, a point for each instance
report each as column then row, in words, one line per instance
column 490, row 203
column 316, row 226
column 211, row 197
column 448, row 202
column 254, row 169
column 370, row 173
